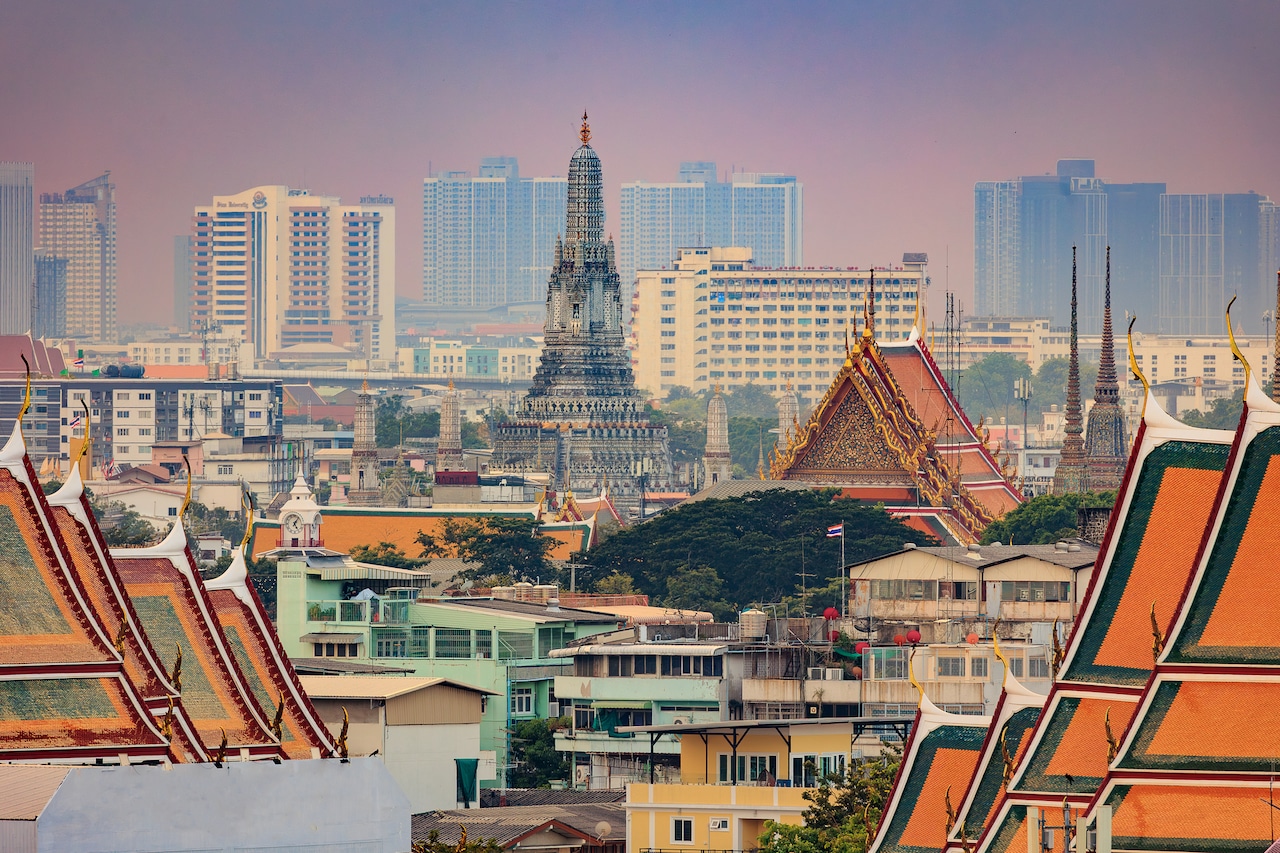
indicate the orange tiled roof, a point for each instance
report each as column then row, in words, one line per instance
column 1011, row 731
column 1190, row 817
column 1072, row 741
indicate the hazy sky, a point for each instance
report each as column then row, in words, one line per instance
column 888, row 112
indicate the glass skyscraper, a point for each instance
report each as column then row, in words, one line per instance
column 17, row 270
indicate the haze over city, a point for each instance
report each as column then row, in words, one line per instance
column 888, row 114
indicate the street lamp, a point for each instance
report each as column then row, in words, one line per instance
column 1022, row 391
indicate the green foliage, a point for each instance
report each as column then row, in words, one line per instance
column 534, row 754
column 1044, row 519
column 1224, row 413
column 698, row 589
column 616, row 583
column 474, row 434
column 1050, row 385
column 202, row 519
column 393, row 420
column 752, row 401
column 843, row 811
column 747, row 435
column 501, row 546
column 123, row 527
column 986, row 387
column 752, row 543
column 433, row 844
column 384, row 554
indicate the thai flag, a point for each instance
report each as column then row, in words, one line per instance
column 835, row 530
column 75, row 422
column 79, row 362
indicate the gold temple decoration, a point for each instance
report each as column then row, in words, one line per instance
column 246, row 503
column 26, row 399
column 120, row 637
column 1235, row 350
column 186, row 501
column 1137, row 371
column 585, row 133
column 911, row 675
column 995, row 642
column 1112, row 746
column 1059, row 653
column 277, row 722
column 84, row 445
column 221, row 755
column 175, row 678
column 951, row 811
column 1157, row 636
column 342, row 735
column 166, row 722
column 1006, row 775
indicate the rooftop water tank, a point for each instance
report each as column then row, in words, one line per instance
column 753, row 624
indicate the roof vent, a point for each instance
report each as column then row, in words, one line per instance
column 974, row 547
column 908, row 546
column 553, row 605
column 1073, row 547
column 1060, row 546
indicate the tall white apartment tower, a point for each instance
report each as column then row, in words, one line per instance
column 283, row 267
column 79, row 226
column 17, row 237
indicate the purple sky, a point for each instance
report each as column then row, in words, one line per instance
column 888, row 112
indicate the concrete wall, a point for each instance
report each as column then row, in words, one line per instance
column 313, row 806
column 421, row 758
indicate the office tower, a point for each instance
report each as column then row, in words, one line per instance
column 79, row 225
column 17, row 223
column 49, row 296
column 716, row 316
column 282, row 267
column 182, row 282
column 761, row 211
column 583, row 420
column 488, row 240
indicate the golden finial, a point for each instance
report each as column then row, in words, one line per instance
column 186, row 501
column 462, row 839
column 277, row 722
column 175, row 678
column 26, row 400
column 911, row 675
column 221, row 755
column 1157, row 636
column 585, row 133
column 1137, row 371
column 84, row 445
column 1112, row 746
column 995, row 643
column 1059, row 653
column 342, row 735
column 1006, row 759
column 166, row 722
column 450, row 384
column 951, row 811
column 120, row 637
column 916, row 320
column 1235, row 350
column 246, row 503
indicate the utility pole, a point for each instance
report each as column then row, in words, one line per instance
column 1022, row 391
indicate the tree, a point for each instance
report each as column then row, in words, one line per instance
column 433, row 844
column 1049, row 387
column 1044, row 519
column 534, row 754
column 1224, row 413
column 752, row 401
column 392, row 420
column 616, row 583
column 123, row 527
column 697, row 589
column 384, row 554
column 747, row 437
column 843, row 811
column 501, row 546
column 986, row 386
column 752, row 543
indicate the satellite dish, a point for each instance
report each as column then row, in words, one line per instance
column 603, row 828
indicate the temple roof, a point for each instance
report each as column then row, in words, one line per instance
column 266, row 667
column 889, row 421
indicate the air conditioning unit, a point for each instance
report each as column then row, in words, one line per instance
column 816, row 673
column 680, row 721
column 834, row 674
column 553, row 709
column 719, row 823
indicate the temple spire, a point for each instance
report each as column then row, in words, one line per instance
column 1107, row 438
column 1070, row 476
column 1107, row 389
column 585, row 133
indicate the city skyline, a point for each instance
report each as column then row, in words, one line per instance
column 889, row 138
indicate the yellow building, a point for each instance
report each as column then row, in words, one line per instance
column 736, row 775
column 716, row 318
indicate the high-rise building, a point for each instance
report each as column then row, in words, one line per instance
column 80, row 227
column 583, row 420
column 488, row 240
column 17, row 224
column 282, row 267
column 49, row 297
column 182, row 282
column 716, row 316
column 761, row 211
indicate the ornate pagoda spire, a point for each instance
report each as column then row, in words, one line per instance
column 716, row 461
column 1071, row 473
column 1106, row 440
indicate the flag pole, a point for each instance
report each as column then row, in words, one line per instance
column 844, row 599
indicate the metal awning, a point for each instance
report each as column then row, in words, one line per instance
column 622, row 704
column 332, row 638
column 692, row 649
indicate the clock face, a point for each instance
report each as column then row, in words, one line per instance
column 293, row 523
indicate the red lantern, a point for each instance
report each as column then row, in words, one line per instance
column 972, row 639
column 857, row 673
column 861, row 646
column 913, row 636
column 831, row 614
column 835, row 635
column 899, row 640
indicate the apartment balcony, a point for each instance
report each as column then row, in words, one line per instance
column 638, row 688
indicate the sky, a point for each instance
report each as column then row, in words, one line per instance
column 888, row 113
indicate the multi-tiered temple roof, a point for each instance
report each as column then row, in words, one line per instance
column 889, row 429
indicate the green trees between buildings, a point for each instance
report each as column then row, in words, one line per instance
column 843, row 811
column 986, row 387
column 1044, row 519
column 721, row 555
column 534, row 754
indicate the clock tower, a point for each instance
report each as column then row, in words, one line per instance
column 300, row 518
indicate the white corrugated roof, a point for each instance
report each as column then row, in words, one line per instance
column 373, row 686
column 641, row 649
column 25, row 789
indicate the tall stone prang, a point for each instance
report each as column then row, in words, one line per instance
column 583, row 398
column 716, row 461
column 449, row 448
column 1106, row 439
column 788, row 417
column 364, row 488
column 1072, row 474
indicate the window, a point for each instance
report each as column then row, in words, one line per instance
column 1015, row 667
column 979, row 667
column 522, row 700
column 889, row 663
column 807, row 769
column 950, row 667
column 750, row 767
column 224, row 470
column 1037, row 667
column 681, row 830
column 646, row 665
column 619, row 666
column 514, row 645
column 453, row 643
column 484, row 644
column 173, row 510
